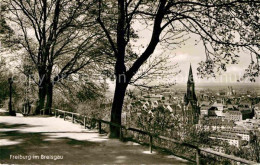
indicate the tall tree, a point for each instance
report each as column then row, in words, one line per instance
column 58, row 36
column 224, row 27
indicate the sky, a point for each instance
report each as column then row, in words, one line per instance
column 191, row 54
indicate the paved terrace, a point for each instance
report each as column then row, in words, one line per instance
column 49, row 136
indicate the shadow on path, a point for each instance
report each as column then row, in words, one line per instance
column 73, row 151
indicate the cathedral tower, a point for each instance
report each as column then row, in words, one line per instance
column 190, row 96
column 190, row 101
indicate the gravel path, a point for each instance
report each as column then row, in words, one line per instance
column 50, row 140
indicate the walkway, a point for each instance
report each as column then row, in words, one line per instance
column 40, row 140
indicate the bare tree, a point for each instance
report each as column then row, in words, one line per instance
column 224, row 27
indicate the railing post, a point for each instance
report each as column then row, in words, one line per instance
column 151, row 143
column 64, row 115
column 72, row 118
column 99, row 127
column 55, row 111
column 84, row 122
column 198, row 156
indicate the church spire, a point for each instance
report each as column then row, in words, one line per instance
column 190, row 78
column 190, row 96
column 190, row 100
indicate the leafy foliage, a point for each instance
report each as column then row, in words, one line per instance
column 5, row 31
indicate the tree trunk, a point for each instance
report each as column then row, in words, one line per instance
column 117, row 109
column 49, row 95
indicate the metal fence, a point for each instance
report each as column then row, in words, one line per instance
column 91, row 122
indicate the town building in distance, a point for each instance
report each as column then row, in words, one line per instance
column 232, row 113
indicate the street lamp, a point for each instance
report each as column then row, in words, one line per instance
column 11, row 112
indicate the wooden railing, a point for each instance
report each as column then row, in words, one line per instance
column 151, row 136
